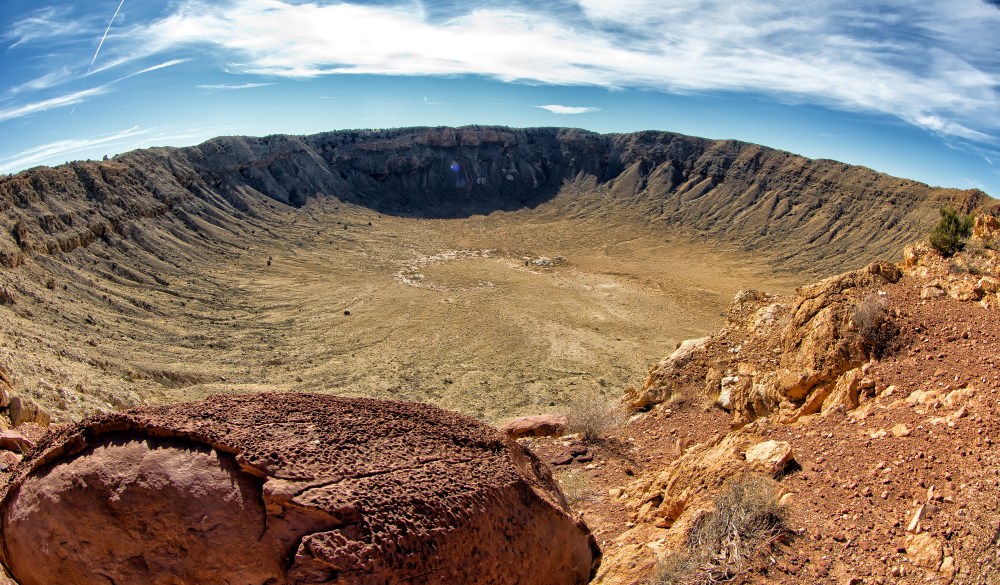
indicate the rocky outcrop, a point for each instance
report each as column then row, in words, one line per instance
column 658, row 384
column 288, row 489
column 968, row 276
column 791, row 360
column 819, row 214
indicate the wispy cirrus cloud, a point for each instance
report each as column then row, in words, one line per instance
column 557, row 109
column 152, row 68
column 58, row 150
column 232, row 86
column 69, row 99
column 910, row 60
column 74, row 98
column 50, row 79
column 41, row 26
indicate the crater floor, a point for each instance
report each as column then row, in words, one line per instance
column 494, row 316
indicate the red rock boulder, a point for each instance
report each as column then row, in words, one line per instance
column 538, row 425
column 288, row 489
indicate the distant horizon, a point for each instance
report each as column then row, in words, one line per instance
column 912, row 91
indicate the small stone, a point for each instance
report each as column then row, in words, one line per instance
column 11, row 440
column 914, row 525
column 24, row 410
column 948, row 567
column 924, row 550
column 964, row 290
column 900, row 430
column 561, row 459
column 8, row 459
column 931, row 291
column 770, row 456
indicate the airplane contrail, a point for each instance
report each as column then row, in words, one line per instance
column 100, row 44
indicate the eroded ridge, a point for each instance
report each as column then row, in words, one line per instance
column 288, row 488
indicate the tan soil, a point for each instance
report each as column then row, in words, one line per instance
column 480, row 332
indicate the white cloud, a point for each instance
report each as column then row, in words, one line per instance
column 46, row 81
column 227, row 86
column 163, row 65
column 42, row 26
column 62, row 149
column 931, row 64
column 556, row 109
column 62, row 101
column 115, row 142
column 71, row 99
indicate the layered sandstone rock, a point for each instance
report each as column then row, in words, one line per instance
column 792, row 360
column 284, row 489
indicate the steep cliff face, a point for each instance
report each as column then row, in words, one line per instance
column 427, row 172
column 819, row 213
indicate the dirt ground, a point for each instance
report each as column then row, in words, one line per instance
column 464, row 313
column 924, row 445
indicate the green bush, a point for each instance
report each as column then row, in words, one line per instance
column 950, row 233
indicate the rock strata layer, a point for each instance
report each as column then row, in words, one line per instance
column 288, row 489
column 813, row 215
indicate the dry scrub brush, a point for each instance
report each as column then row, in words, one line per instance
column 731, row 539
column 870, row 317
column 594, row 415
column 576, row 487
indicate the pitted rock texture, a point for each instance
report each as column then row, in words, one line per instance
column 288, row 489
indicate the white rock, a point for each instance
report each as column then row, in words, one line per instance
column 770, row 456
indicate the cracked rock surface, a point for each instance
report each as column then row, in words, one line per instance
column 287, row 489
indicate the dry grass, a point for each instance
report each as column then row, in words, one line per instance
column 576, row 487
column 732, row 538
column 870, row 317
column 594, row 415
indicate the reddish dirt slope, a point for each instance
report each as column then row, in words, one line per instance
column 904, row 488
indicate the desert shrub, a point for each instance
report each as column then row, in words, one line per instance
column 951, row 231
column 7, row 297
column 731, row 539
column 593, row 415
column 870, row 317
column 575, row 486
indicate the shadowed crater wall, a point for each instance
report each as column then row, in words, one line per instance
column 816, row 214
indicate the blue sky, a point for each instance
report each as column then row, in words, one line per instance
column 908, row 88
